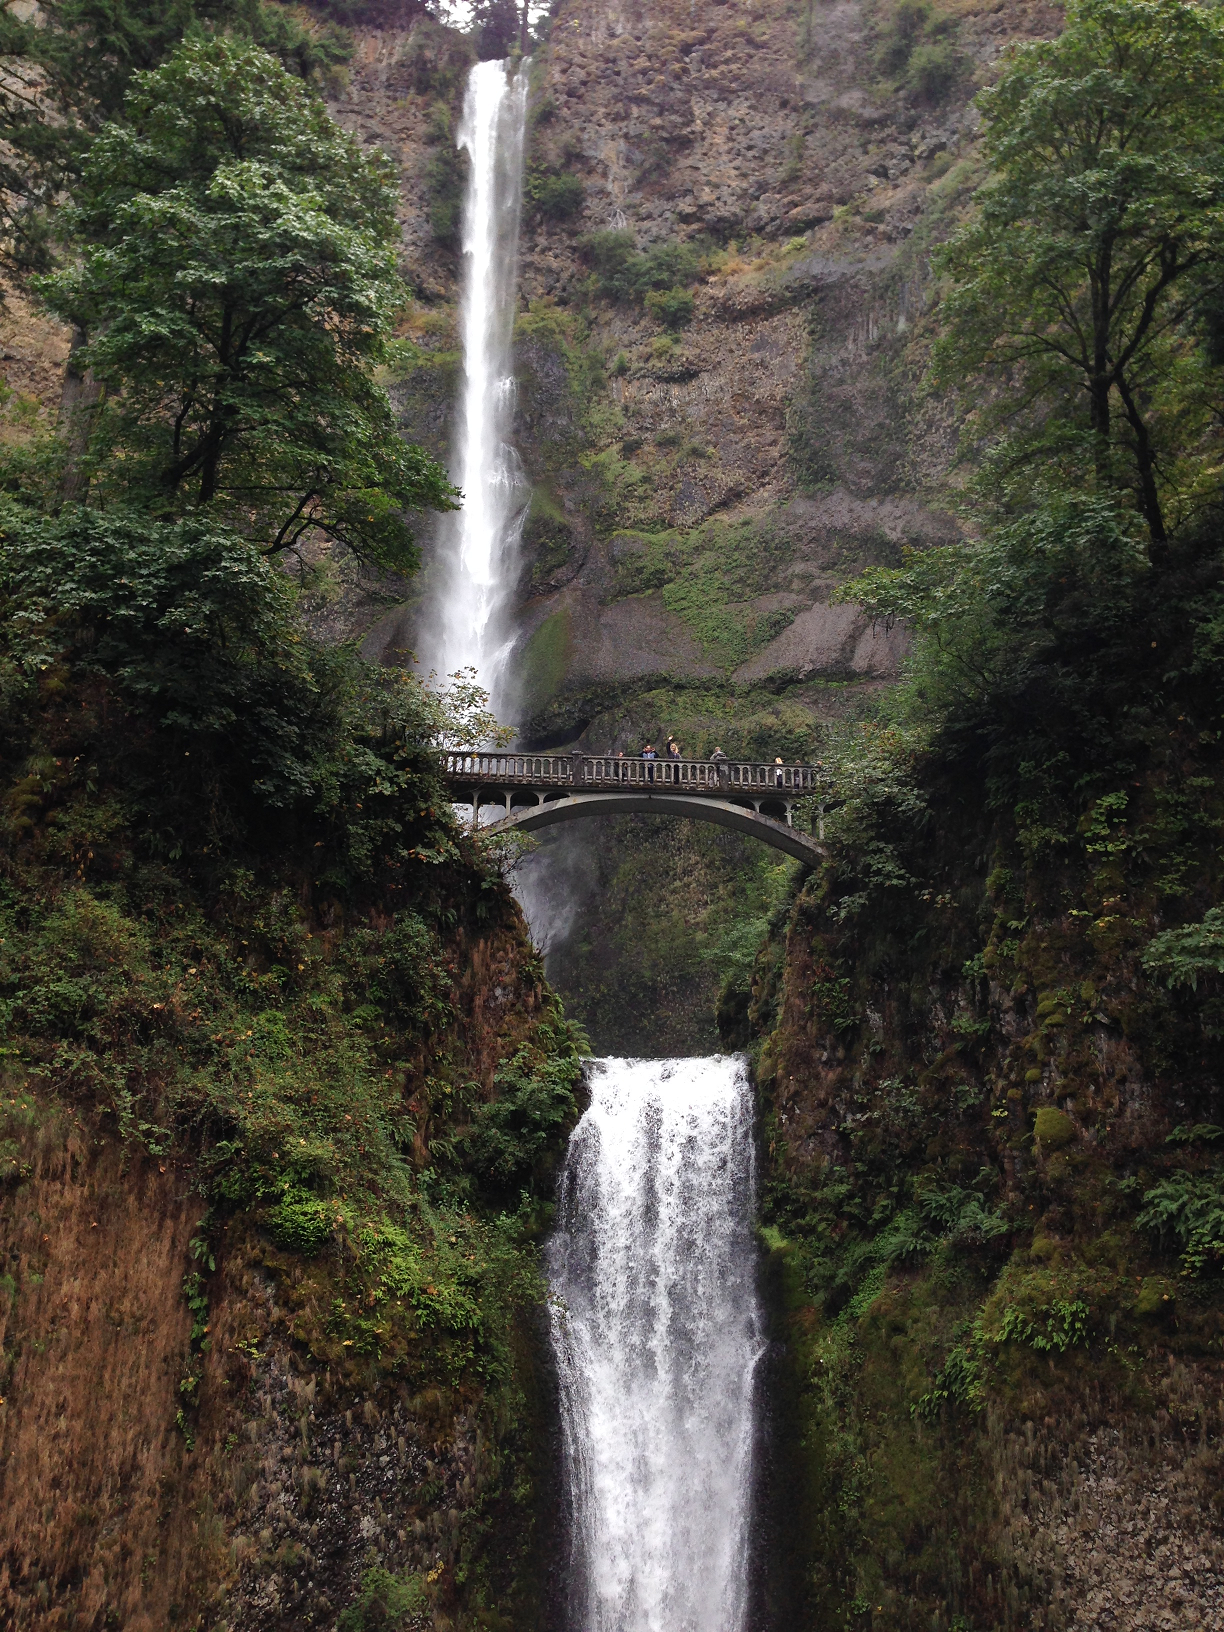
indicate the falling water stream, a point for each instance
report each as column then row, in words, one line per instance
column 656, row 1327
column 479, row 545
column 657, row 1334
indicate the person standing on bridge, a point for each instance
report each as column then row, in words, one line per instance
column 674, row 756
column 649, row 755
column 779, row 777
column 718, row 754
column 621, row 769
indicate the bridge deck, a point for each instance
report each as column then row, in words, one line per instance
column 716, row 778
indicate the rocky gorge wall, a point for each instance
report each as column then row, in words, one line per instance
column 701, row 482
column 211, row 1420
column 984, row 1121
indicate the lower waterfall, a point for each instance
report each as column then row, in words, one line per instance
column 657, row 1333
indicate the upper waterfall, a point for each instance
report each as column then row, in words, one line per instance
column 479, row 543
column 657, row 1333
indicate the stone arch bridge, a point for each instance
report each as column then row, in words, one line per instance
column 539, row 790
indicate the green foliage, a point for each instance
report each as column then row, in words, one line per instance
column 445, row 182
column 301, row 1223
column 879, row 813
column 1189, row 1208
column 993, row 616
column 535, row 1102
column 1077, row 281
column 438, row 60
column 553, row 196
column 1181, row 957
column 1053, row 1128
column 959, row 1382
column 388, row 1602
column 69, row 67
column 198, row 636
column 496, row 25
column 624, row 274
column 673, row 308
column 237, row 278
column 915, row 53
column 1052, row 1330
column 705, row 576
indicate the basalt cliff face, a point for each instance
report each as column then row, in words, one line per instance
column 211, row 1421
column 266, row 1418
column 702, row 479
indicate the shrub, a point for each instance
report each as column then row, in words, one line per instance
column 1053, row 1127
column 556, row 198
column 301, row 1224
column 1180, row 956
column 933, row 70
column 445, row 180
column 623, row 274
column 673, row 308
column 385, row 1601
column 534, row 1102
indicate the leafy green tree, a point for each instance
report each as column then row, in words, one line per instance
column 167, row 659
column 237, row 277
column 68, row 67
column 499, row 25
column 1080, row 279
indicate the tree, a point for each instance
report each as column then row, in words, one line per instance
column 237, row 279
column 499, row 25
column 67, row 68
column 1097, row 245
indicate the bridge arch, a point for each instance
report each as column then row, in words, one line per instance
column 541, row 790
column 577, row 806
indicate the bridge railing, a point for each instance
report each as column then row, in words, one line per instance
column 473, row 768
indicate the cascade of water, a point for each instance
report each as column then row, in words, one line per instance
column 479, row 543
column 657, row 1334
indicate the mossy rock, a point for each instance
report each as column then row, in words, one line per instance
column 1156, row 1299
column 546, row 660
column 1054, row 1128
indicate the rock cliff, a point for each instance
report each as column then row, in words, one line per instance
column 704, row 473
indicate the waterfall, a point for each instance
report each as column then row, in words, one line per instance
column 479, row 543
column 657, row 1333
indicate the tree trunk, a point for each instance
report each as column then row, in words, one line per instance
column 79, row 398
column 1145, row 465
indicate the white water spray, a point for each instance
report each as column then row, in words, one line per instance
column 657, row 1333
column 479, row 543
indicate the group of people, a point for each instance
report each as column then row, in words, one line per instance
column 668, row 769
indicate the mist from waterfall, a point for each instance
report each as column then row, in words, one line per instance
column 657, row 1333
column 468, row 626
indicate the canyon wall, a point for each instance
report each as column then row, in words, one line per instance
column 701, row 482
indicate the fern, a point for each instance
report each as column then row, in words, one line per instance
column 1189, row 1207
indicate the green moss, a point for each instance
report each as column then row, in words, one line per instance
column 1156, row 1298
column 548, row 537
column 1053, row 1128
column 706, row 575
column 546, row 661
